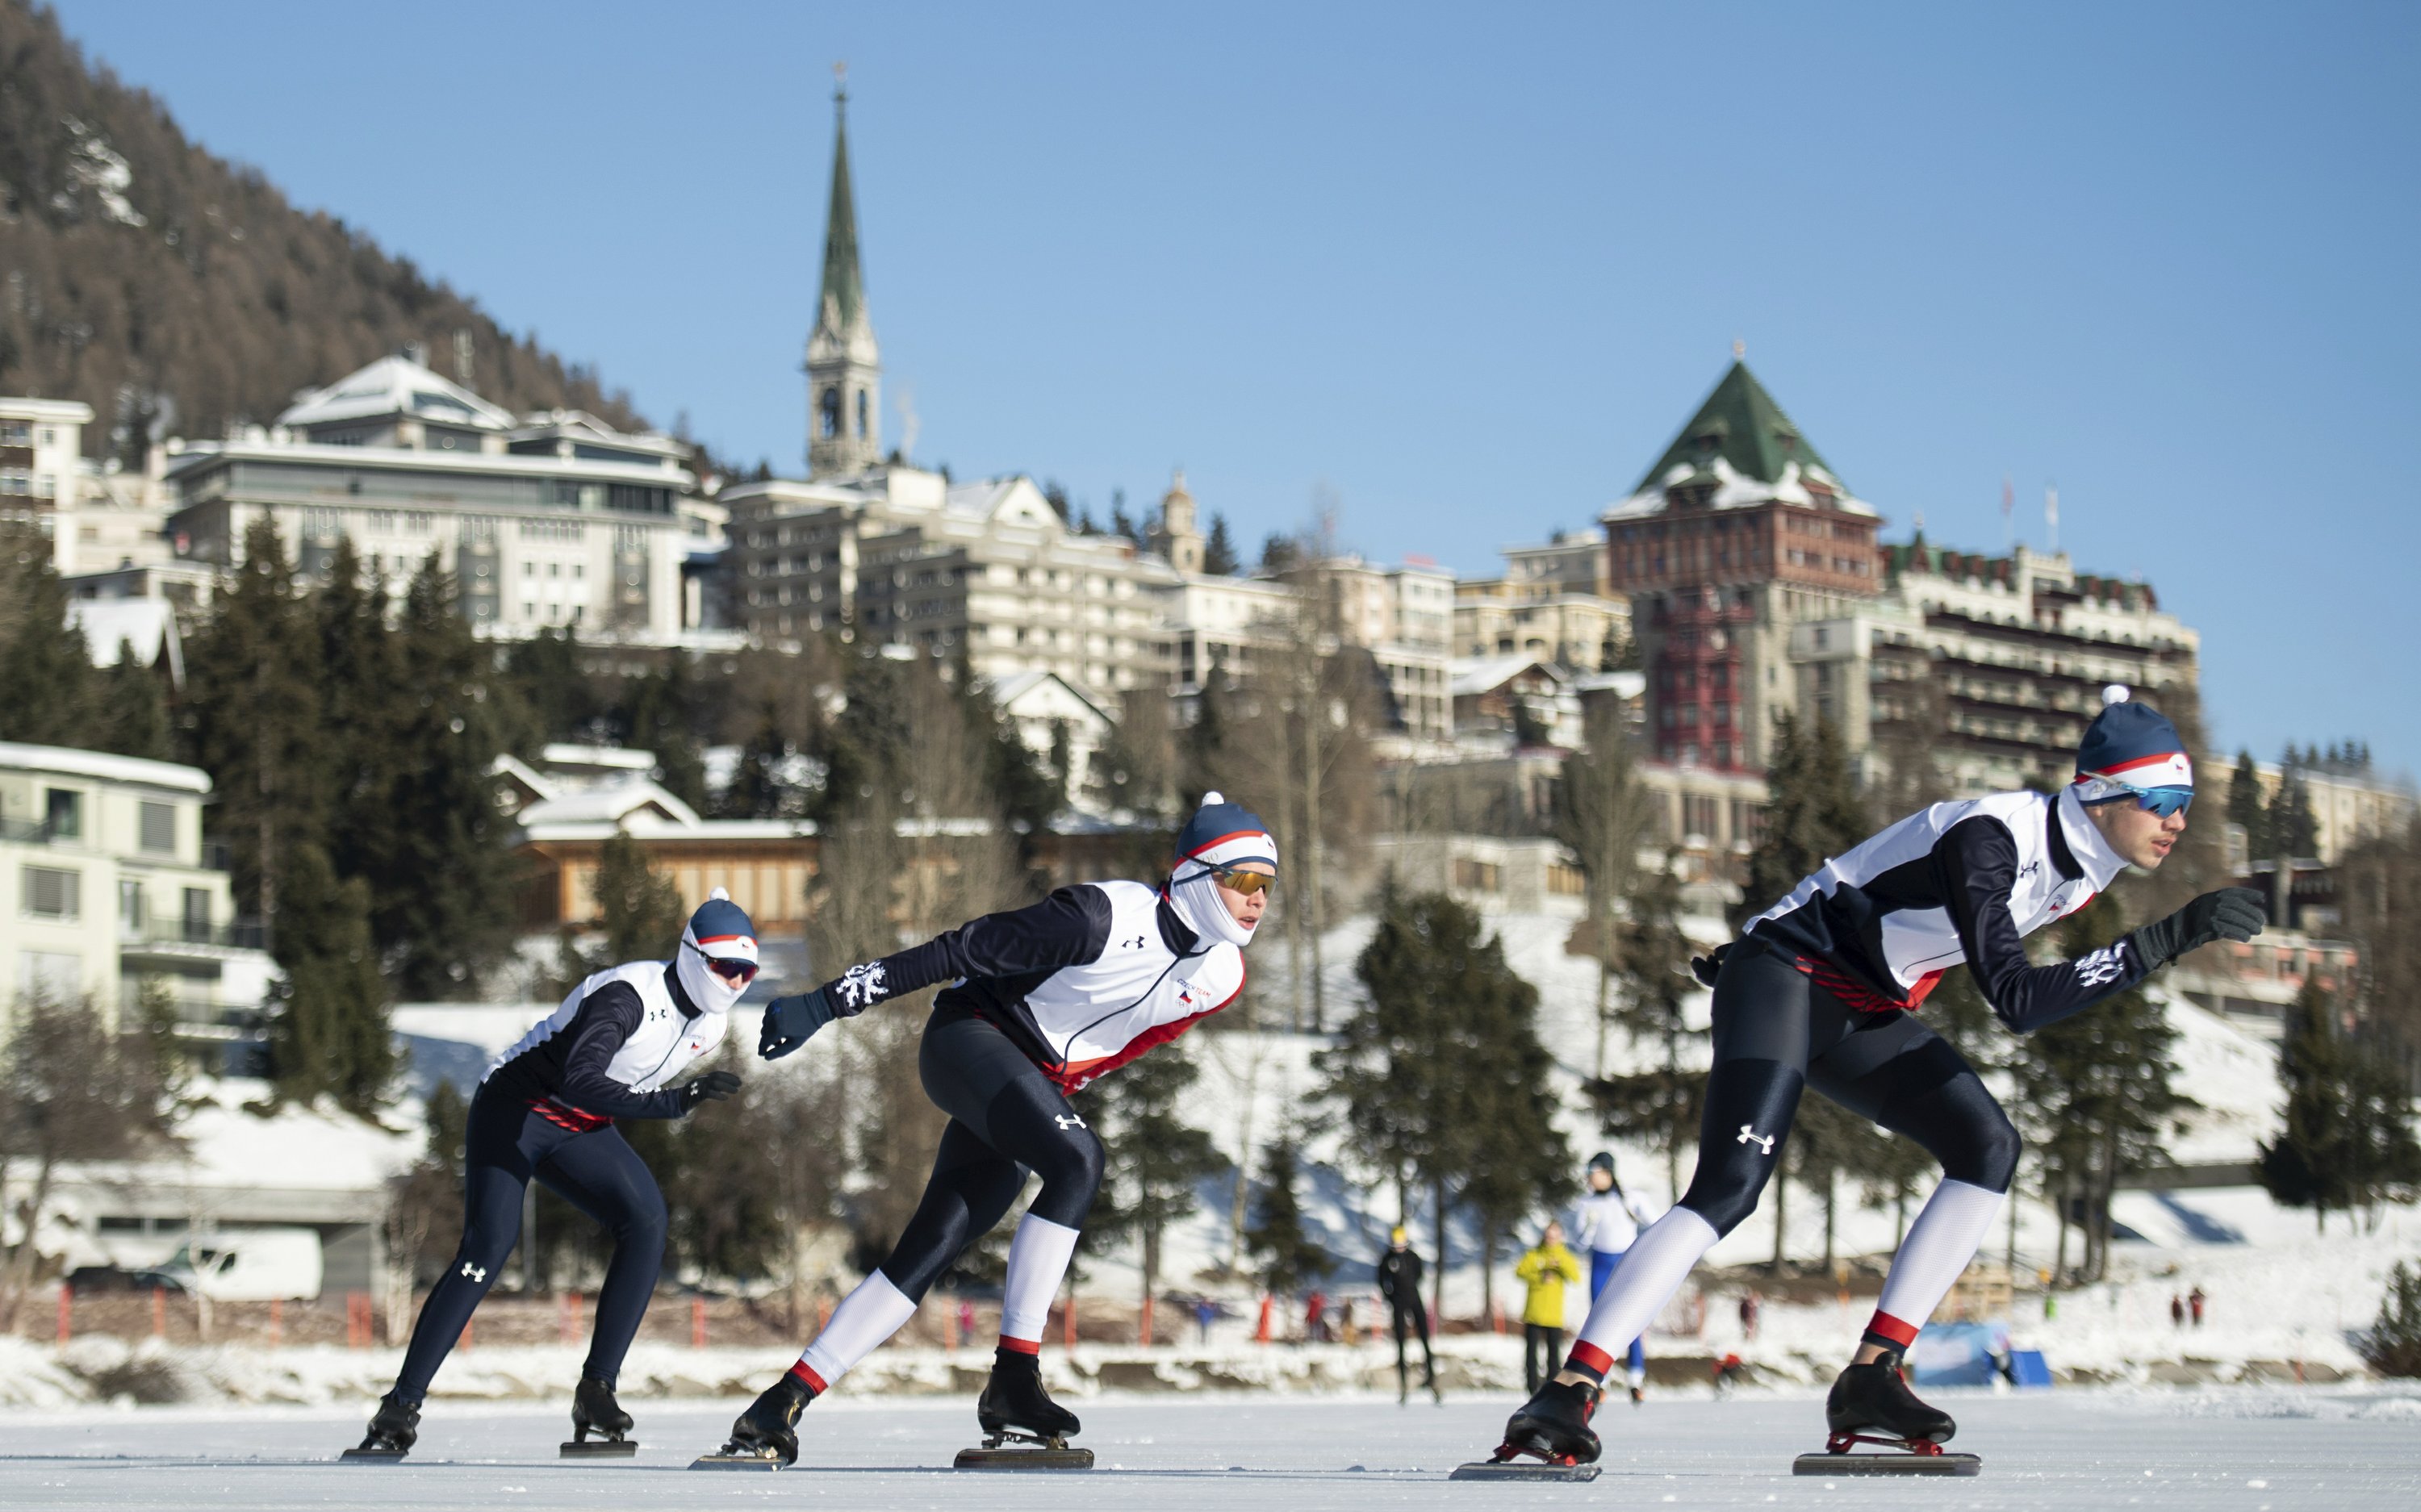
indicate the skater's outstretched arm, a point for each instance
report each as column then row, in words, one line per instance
column 1070, row 927
column 1977, row 861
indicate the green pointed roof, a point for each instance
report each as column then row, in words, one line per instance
column 844, row 291
column 1740, row 423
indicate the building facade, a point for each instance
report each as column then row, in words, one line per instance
column 107, row 890
column 547, row 521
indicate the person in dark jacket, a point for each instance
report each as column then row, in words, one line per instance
column 1400, row 1281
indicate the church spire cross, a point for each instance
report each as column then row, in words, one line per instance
column 844, row 364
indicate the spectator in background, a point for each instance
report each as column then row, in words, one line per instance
column 1546, row 1271
column 2177, row 1311
column 1315, row 1319
column 2194, row 1305
column 1399, row 1282
column 1749, row 1303
column 1204, row 1310
column 1609, row 1221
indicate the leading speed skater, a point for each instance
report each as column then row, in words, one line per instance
column 1820, row 991
column 1043, row 1000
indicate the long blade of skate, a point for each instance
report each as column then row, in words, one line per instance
column 599, row 1449
column 1524, row 1470
column 1887, row 1464
column 725, row 1459
column 372, row 1456
column 1033, row 1458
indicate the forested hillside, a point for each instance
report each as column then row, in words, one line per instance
column 176, row 292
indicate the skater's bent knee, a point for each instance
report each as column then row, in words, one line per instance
column 1992, row 1165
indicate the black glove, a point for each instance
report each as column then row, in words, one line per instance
column 2230, row 913
column 791, row 1021
column 712, row 1087
column 1708, row 967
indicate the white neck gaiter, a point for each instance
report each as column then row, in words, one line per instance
column 1195, row 898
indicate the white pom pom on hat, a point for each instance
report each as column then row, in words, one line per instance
column 1211, row 798
column 723, row 893
column 2117, row 693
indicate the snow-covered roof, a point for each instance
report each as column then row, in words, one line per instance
column 135, row 770
column 1735, row 489
column 397, row 385
column 1621, row 685
column 1471, row 676
column 634, row 804
column 147, row 625
column 1012, row 500
column 1031, row 694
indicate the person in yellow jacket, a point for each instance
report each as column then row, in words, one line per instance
column 1545, row 1270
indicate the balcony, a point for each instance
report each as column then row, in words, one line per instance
column 188, row 940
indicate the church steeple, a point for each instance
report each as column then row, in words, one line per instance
column 844, row 365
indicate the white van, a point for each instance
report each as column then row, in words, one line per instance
column 248, row 1264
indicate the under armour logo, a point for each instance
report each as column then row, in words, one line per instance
column 1750, row 1136
column 476, row 1272
column 1066, row 1121
column 1135, row 943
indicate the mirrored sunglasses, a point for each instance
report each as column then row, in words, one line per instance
column 2162, row 801
column 729, row 969
column 1246, row 882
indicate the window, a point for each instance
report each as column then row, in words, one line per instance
column 864, row 419
column 197, row 915
column 828, row 414
column 1476, row 876
column 52, row 893
column 157, row 824
column 129, row 907
column 63, row 813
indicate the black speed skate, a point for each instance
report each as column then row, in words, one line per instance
column 394, row 1428
column 594, row 1411
column 765, row 1437
column 1014, row 1409
column 1872, row 1404
column 1549, row 1439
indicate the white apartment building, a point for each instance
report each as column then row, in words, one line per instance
column 549, row 519
column 986, row 570
column 1554, row 601
column 105, row 887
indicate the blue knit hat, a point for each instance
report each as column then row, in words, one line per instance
column 1222, row 833
column 722, row 927
column 2130, row 745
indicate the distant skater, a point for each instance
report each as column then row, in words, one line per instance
column 1399, row 1282
column 1609, row 1222
column 1543, row 1273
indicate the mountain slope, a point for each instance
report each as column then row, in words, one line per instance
column 175, row 291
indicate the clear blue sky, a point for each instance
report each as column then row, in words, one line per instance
column 1467, row 266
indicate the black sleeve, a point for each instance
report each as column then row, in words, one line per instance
column 1976, row 862
column 1387, row 1275
column 607, row 1018
column 1068, row 928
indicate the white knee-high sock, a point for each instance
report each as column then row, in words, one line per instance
column 867, row 1317
column 1939, row 1245
column 1651, row 1271
column 1037, row 1259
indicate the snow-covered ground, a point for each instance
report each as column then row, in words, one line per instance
column 2235, row 1452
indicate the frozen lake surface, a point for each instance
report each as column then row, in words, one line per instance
column 2230, row 1449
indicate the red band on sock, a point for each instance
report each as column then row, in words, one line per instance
column 1588, row 1357
column 813, row 1381
column 1888, row 1327
column 1021, row 1346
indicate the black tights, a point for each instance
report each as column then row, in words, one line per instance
column 1007, row 1118
column 1776, row 1032
column 599, row 1173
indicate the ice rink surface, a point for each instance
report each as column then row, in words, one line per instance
column 2241, row 1449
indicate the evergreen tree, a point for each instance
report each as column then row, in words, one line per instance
column 2393, row 1346
column 1280, row 554
column 2099, row 1089
column 1659, row 1107
column 133, row 710
column 1156, row 1159
column 2245, row 808
column 1813, row 813
column 2294, row 830
column 47, row 682
column 442, row 894
column 2347, row 1141
column 758, row 790
column 1219, row 549
column 252, row 680
column 556, row 698
column 360, row 693
column 1276, row 1239
column 658, row 715
column 1437, row 1075
column 639, row 913
column 329, row 1033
